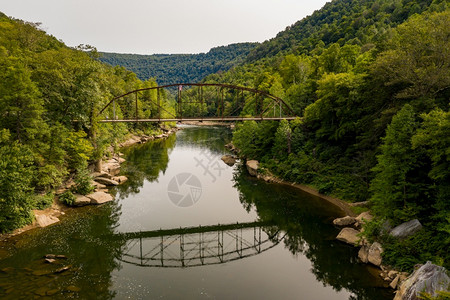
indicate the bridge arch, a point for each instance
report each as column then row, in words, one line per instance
column 282, row 109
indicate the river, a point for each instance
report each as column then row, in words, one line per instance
column 187, row 226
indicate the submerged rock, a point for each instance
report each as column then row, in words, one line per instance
column 252, row 167
column 406, row 229
column 428, row 278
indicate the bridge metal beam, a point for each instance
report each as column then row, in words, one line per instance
column 259, row 95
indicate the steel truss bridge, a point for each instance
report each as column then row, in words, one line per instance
column 198, row 246
column 265, row 105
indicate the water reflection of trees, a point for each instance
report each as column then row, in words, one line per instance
column 81, row 238
column 307, row 223
column 206, row 137
column 145, row 162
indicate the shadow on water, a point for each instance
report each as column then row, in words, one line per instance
column 307, row 220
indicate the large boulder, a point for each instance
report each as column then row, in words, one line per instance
column 99, row 197
column 428, row 278
column 345, row 221
column 374, row 254
column 252, row 167
column 406, row 229
column 349, row 235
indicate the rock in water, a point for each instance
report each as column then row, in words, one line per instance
column 406, row 229
column 363, row 254
column 349, row 236
column 345, row 221
column 229, row 160
column 99, row 197
column 106, row 181
column 252, row 167
column 81, row 200
column 429, row 278
column 120, row 179
column 44, row 220
column 374, row 255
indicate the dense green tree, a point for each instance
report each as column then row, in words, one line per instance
column 419, row 59
column 391, row 185
column 16, row 175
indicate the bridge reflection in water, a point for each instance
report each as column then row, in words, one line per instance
column 199, row 246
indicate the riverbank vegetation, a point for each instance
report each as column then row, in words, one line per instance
column 50, row 97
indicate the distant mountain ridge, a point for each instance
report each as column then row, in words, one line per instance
column 178, row 68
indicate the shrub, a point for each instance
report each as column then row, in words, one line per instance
column 67, row 198
column 43, row 201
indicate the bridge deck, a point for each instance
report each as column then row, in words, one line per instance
column 213, row 119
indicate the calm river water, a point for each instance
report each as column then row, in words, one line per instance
column 187, row 226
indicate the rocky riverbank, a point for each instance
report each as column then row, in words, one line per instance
column 429, row 277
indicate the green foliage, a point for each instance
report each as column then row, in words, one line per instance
column 254, row 139
column 83, row 182
column 50, row 97
column 441, row 295
column 391, row 185
column 67, row 198
column 43, row 201
column 16, row 191
column 283, row 140
column 426, row 245
column 419, row 58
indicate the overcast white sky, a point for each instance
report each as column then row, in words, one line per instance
column 161, row 26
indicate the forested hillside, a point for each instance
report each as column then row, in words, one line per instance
column 370, row 81
column 50, row 96
column 181, row 68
